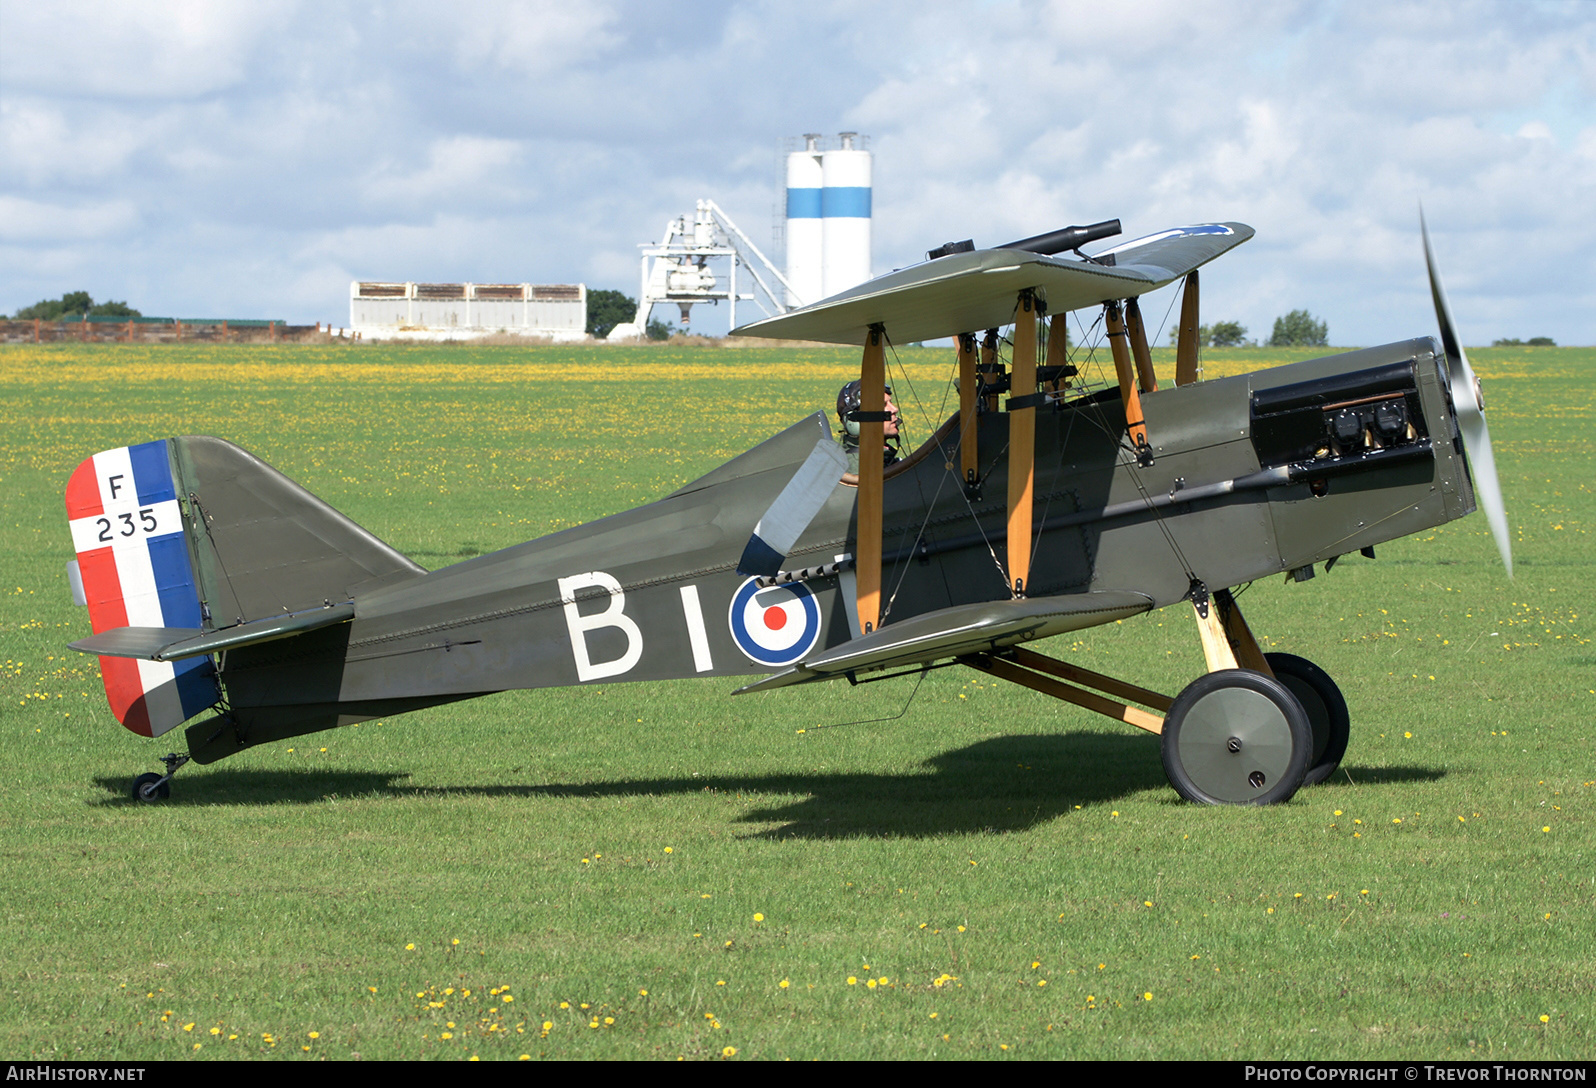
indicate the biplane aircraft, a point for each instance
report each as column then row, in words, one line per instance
column 219, row 589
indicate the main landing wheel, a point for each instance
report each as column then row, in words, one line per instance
column 1327, row 712
column 149, row 787
column 1236, row 737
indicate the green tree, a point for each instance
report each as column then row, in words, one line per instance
column 113, row 309
column 1221, row 334
column 607, row 309
column 1298, row 329
column 659, row 330
column 1227, row 334
column 73, row 306
column 1532, row 342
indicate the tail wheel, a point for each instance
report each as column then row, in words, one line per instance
column 1327, row 712
column 151, row 787
column 1236, row 737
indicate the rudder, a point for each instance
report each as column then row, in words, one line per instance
column 133, row 563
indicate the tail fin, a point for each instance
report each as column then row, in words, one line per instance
column 127, row 530
column 185, row 536
column 264, row 546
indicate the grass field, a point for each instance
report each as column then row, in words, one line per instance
column 654, row 871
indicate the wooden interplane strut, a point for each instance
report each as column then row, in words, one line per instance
column 1022, row 443
column 1146, row 379
column 872, row 446
column 1058, row 347
column 1131, row 395
column 969, row 460
column 1186, row 343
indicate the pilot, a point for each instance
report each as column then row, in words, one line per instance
column 848, row 401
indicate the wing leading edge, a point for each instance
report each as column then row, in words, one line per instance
column 964, row 292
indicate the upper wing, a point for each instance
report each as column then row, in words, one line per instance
column 966, row 292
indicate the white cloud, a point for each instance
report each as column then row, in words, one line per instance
column 539, row 39
column 42, row 144
column 35, row 221
column 463, row 172
column 137, row 48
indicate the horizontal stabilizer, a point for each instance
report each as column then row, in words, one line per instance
column 963, row 629
column 968, row 292
column 176, row 643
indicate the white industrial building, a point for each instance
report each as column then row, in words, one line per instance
column 461, row 311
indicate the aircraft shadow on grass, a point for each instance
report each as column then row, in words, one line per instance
column 1007, row 783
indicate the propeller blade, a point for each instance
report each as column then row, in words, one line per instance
column 1469, row 404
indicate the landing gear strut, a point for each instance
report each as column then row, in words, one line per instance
column 158, row 787
column 1250, row 731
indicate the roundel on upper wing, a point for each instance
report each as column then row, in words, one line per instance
column 775, row 626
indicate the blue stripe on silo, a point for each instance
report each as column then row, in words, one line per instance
column 844, row 202
column 803, row 203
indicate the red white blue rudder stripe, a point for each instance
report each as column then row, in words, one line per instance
column 776, row 626
column 133, row 559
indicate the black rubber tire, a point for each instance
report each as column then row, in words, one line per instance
column 1236, row 737
column 142, row 792
column 1327, row 712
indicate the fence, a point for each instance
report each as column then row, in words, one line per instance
column 159, row 330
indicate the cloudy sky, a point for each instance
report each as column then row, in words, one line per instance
column 250, row 159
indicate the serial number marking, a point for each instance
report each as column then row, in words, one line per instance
column 116, row 528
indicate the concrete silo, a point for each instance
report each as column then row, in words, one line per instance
column 805, row 269
column 845, row 215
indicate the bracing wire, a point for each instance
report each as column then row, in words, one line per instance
column 1173, row 295
column 1129, row 463
column 897, row 363
column 930, row 507
column 891, row 718
column 1063, row 447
